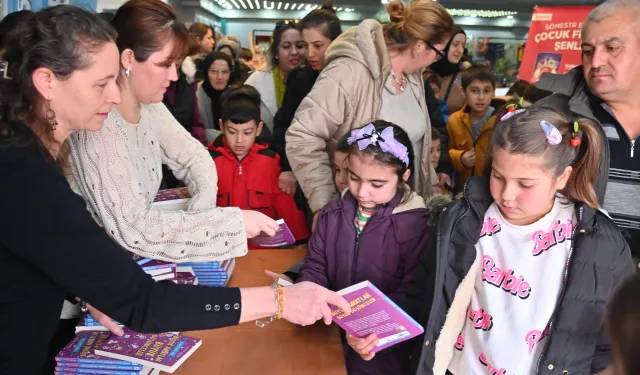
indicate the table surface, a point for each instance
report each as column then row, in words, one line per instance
column 279, row 349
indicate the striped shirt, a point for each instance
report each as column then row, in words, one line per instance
column 621, row 199
column 361, row 219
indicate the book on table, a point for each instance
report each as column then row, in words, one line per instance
column 283, row 237
column 373, row 312
column 172, row 199
column 164, row 351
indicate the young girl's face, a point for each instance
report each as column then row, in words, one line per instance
column 523, row 188
column 341, row 175
column 434, row 153
column 371, row 183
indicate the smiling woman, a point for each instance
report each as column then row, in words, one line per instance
column 118, row 170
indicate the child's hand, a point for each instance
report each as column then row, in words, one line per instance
column 288, row 183
column 363, row 346
column 468, row 159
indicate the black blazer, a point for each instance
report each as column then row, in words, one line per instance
column 50, row 246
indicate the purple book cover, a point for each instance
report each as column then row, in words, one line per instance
column 157, row 264
column 71, row 366
column 171, row 194
column 79, row 370
column 282, row 238
column 186, row 280
column 81, row 349
column 165, row 351
column 374, row 312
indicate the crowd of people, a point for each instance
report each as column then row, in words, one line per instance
column 506, row 226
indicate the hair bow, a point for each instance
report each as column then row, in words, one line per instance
column 386, row 141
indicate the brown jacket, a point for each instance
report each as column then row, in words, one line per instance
column 347, row 95
column 461, row 140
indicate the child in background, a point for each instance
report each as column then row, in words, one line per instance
column 247, row 170
column 376, row 232
column 442, row 182
column 525, row 262
column 623, row 327
column 435, row 81
column 471, row 127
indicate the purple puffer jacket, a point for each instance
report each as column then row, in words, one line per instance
column 385, row 254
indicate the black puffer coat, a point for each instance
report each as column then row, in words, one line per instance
column 577, row 343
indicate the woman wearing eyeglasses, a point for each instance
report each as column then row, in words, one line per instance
column 217, row 68
column 372, row 71
column 450, row 70
column 286, row 53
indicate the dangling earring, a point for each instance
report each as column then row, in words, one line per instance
column 50, row 115
column 128, row 71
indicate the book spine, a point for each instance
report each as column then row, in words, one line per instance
column 95, row 361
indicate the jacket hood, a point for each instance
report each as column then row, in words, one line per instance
column 364, row 43
column 436, row 205
column 189, row 69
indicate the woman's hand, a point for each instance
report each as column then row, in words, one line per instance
column 305, row 303
column 288, row 183
column 103, row 319
column 276, row 276
column 363, row 346
column 256, row 222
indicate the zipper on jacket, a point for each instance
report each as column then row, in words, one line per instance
column 562, row 291
column 240, row 171
column 357, row 247
column 633, row 144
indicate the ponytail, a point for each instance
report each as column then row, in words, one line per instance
column 580, row 186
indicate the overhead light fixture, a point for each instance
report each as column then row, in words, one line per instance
column 258, row 4
column 235, row 4
column 293, row 7
column 480, row 13
column 266, row 6
column 244, row 6
column 349, row 10
column 510, row 17
column 279, row 5
column 315, row 7
column 286, row 6
column 339, row 10
column 300, row 6
column 308, row 7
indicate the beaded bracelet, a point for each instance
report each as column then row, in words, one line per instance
column 279, row 294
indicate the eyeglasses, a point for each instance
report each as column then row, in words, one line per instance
column 439, row 54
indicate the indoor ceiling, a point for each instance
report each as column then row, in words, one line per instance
column 520, row 9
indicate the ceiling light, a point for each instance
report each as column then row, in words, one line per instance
column 308, row 7
column 235, row 4
column 480, row 13
column 339, row 10
column 300, row 6
column 286, row 6
column 349, row 10
column 273, row 5
column 510, row 17
column 257, row 4
column 244, row 6
column 279, row 5
column 293, row 7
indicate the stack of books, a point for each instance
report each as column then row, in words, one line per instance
column 210, row 273
column 172, row 199
column 158, row 269
column 79, row 357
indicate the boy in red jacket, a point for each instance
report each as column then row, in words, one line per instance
column 247, row 170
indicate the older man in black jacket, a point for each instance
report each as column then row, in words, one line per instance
column 606, row 89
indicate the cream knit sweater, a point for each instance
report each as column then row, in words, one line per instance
column 118, row 171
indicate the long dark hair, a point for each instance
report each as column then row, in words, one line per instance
column 60, row 38
column 280, row 28
column 522, row 135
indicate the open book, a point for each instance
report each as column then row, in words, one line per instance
column 374, row 312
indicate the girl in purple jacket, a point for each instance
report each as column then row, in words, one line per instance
column 375, row 232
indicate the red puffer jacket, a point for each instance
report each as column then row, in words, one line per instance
column 252, row 184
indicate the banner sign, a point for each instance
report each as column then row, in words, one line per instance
column 553, row 44
column 36, row 5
